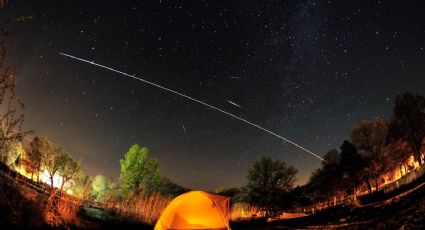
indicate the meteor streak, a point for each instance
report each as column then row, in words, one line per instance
column 196, row 100
column 233, row 103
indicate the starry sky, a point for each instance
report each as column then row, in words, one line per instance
column 305, row 69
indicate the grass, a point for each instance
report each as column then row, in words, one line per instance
column 24, row 207
column 243, row 211
column 142, row 207
column 28, row 204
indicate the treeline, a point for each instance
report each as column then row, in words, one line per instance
column 140, row 173
column 375, row 153
column 41, row 158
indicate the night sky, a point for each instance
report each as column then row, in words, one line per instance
column 307, row 70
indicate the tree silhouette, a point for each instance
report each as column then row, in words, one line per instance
column 350, row 166
column 371, row 139
column 408, row 121
column 12, row 117
column 268, row 181
column 326, row 181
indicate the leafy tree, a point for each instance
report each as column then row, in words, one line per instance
column 408, row 121
column 299, row 197
column 12, row 153
column 170, row 189
column 33, row 158
column 80, row 186
column 397, row 156
column 351, row 165
column 101, row 188
column 325, row 182
column 268, row 182
column 53, row 158
column 69, row 169
column 139, row 171
column 371, row 139
column 235, row 194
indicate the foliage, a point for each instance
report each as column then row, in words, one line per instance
column 377, row 148
column 168, row 188
column 236, row 195
column 299, row 197
column 33, row 158
column 54, row 159
column 12, row 153
column 268, row 182
column 101, row 188
column 325, row 182
column 139, row 171
column 42, row 154
column 408, row 121
column 351, row 165
column 68, row 169
column 371, row 139
column 80, row 187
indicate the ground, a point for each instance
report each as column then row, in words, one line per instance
column 402, row 209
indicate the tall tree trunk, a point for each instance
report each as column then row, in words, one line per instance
column 63, row 183
column 369, row 184
column 377, row 183
column 417, row 154
column 38, row 172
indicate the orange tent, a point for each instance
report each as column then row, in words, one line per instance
column 196, row 210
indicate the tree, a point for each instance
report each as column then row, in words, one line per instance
column 397, row 156
column 33, row 158
column 326, row 181
column 170, row 189
column 139, row 171
column 351, row 165
column 371, row 139
column 235, row 194
column 69, row 169
column 268, row 181
column 408, row 122
column 12, row 153
column 81, row 185
column 100, row 188
column 53, row 159
column 12, row 117
column 299, row 197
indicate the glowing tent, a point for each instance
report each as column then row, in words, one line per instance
column 195, row 210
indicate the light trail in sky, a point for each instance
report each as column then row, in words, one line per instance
column 198, row 101
column 235, row 104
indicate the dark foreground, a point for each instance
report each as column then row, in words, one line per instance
column 404, row 209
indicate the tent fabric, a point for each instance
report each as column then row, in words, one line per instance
column 196, row 210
